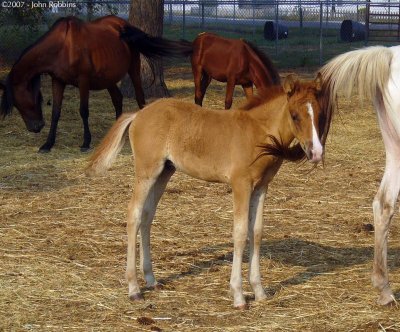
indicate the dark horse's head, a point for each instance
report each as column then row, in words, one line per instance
column 27, row 98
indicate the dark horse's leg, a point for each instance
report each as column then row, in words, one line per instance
column 58, row 93
column 230, row 86
column 84, row 111
column 116, row 97
column 248, row 90
column 134, row 74
column 201, row 82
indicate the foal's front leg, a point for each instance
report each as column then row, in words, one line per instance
column 255, row 235
column 241, row 202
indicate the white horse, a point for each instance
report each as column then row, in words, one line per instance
column 374, row 72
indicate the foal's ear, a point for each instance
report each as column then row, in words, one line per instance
column 289, row 84
column 318, row 82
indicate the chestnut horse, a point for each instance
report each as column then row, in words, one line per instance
column 90, row 56
column 232, row 61
column 244, row 148
column 375, row 73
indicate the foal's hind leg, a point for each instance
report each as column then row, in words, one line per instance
column 148, row 215
column 116, row 97
column 138, row 211
column 58, row 93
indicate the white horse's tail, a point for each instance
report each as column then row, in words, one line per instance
column 107, row 151
column 366, row 71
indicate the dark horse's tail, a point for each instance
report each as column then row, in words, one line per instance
column 155, row 47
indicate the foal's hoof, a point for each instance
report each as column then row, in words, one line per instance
column 136, row 297
column 243, row 306
column 156, row 287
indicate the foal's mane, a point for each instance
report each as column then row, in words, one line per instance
column 262, row 96
column 269, row 65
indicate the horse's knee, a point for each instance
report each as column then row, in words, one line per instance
column 383, row 210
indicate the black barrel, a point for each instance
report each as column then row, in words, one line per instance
column 351, row 31
column 270, row 30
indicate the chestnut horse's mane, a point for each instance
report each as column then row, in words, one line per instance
column 266, row 61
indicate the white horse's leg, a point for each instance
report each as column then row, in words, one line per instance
column 147, row 218
column 255, row 235
column 384, row 203
column 241, row 203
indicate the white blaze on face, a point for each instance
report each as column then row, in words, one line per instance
column 317, row 147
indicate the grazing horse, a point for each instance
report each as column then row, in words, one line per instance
column 90, row 56
column 232, row 61
column 375, row 73
column 244, row 148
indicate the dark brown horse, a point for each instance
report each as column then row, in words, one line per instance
column 91, row 56
column 232, row 61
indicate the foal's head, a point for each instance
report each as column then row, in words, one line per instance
column 305, row 114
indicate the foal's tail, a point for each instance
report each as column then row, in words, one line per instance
column 155, row 47
column 107, row 151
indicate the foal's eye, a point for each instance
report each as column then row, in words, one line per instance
column 295, row 117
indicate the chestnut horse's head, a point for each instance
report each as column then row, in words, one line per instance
column 305, row 114
column 27, row 98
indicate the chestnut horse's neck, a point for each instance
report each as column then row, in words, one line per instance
column 262, row 70
column 39, row 57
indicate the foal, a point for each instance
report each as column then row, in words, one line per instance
column 244, row 148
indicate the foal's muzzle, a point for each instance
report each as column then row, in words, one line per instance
column 313, row 153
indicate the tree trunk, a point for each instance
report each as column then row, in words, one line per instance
column 148, row 15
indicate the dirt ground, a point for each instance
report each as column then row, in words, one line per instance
column 63, row 238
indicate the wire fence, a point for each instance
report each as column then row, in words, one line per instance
column 299, row 33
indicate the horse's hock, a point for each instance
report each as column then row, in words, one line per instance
column 273, row 29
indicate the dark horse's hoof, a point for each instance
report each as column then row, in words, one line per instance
column 85, row 149
column 44, row 150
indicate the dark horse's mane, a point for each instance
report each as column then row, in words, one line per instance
column 7, row 100
column 266, row 61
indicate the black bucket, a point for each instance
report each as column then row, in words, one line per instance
column 351, row 31
column 270, row 30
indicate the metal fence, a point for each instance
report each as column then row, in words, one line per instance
column 297, row 33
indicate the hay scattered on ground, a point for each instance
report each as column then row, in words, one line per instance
column 63, row 239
